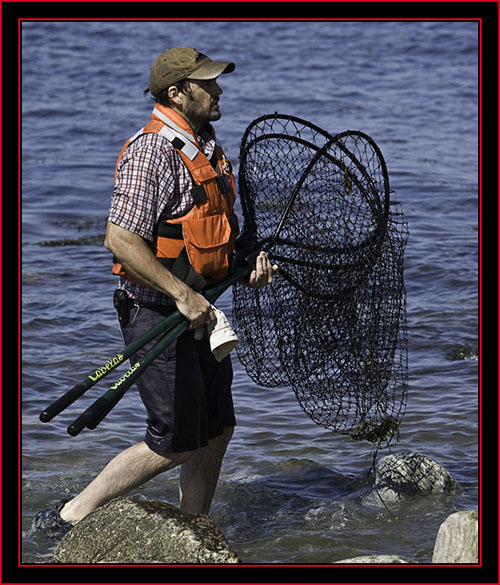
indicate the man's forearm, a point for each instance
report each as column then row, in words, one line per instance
column 140, row 262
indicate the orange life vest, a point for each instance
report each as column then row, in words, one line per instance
column 202, row 240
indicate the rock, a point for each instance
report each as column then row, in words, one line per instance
column 457, row 539
column 399, row 476
column 374, row 559
column 296, row 465
column 131, row 530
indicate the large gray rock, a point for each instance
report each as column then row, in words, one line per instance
column 131, row 530
column 457, row 539
column 400, row 476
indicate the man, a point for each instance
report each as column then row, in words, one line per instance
column 171, row 230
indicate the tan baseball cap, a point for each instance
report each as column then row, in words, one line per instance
column 173, row 65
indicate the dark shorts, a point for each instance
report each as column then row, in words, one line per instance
column 186, row 392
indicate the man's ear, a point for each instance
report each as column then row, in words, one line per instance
column 173, row 94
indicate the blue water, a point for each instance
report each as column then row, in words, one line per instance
column 413, row 87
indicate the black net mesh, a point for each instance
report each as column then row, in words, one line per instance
column 333, row 323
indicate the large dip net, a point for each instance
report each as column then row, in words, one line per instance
column 332, row 325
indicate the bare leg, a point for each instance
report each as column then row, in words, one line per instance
column 199, row 475
column 129, row 469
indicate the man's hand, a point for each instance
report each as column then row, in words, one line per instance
column 197, row 310
column 263, row 272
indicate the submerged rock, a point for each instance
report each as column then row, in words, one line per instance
column 294, row 465
column 457, row 539
column 131, row 530
column 374, row 559
column 400, row 476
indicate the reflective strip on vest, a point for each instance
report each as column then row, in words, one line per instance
column 173, row 126
column 187, row 148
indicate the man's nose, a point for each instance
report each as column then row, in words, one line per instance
column 216, row 90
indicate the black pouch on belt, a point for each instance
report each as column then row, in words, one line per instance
column 122, row 306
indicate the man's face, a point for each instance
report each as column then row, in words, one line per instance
column 201, row 102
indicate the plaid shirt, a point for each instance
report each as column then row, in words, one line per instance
column 152, row 184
